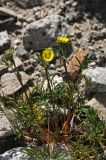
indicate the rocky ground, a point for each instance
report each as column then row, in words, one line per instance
column 28, row 26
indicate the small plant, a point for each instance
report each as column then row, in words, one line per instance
column 44, row 153
column 56, row 115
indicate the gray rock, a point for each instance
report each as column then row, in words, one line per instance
column 39, row 68
column 18, row 64
column 37, row 73
column 52, row 66
column 55, row 81
column 52, row 72
column 3, row 69
column 60, row 69
column 98, row 77
column 74, row 4
column 92, row 64
column 42, row 34
column 68, row 2
column 17, row 41
column 7, row 18
column 29, row 3
column 96, row 35
column 104, row 31
column 7, row 12
column 78, row 34
column 28, row 69
column 29, row 66
column 7, row 141
column 5, row 41
column 18, row 154
column 62, row 6
column 10, row 83
column 101, row 60
column 4, row 122
column 22, row 53
column 7, row 117
column 58, row 63
column 91, row 48
column 7, row 138
column 99, row 106
column 5, row 134
column 105, row 153
column 14, row 154
column 72, row 16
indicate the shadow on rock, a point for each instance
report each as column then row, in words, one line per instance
column 91, row 9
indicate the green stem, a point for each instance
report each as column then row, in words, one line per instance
column 18, row 75
column 49, row 86
column 19, row 78
column 67, row 75
column 47, row 77
column 52, row 99
column 64, row 63
column 13, row 124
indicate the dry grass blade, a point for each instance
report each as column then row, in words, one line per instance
column 66, row 125
column 29, row 137
column 48, row 136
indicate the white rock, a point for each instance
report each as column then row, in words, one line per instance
column 105, row 153
column 10, row 83
column 56, row 80
column 97, row 105
column 91, row 48
column 5, row 41
column 98, row 77
column 18, row 64
column 4, row 122
column 17, row 154
column 17, row 42
column 3, row 69
column 5, row 134
column 103, row 31
column 74, row 4
column 14, row 154
column 92, row 64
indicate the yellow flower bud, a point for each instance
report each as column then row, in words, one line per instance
column 63, row 40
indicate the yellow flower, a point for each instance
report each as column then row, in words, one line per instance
column 63, row 40
column 48, row 55
column 39, row 114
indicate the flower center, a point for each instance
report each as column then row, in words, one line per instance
column 47, row 55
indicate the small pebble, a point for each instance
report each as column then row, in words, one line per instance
column 52, row 66
column 91, row 48
column 74, row 4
